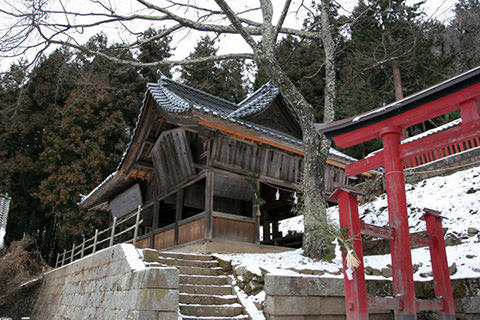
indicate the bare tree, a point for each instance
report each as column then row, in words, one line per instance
column 37, row 26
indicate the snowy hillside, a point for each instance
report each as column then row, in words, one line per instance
column 457, row 197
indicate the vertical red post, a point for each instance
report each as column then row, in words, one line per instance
column 403, row 287
column 355, row 290
column 438, row 255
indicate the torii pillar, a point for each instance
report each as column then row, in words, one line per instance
column 402, row 271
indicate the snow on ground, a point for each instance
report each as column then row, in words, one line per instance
column 456, row 196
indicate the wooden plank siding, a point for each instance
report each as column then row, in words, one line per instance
column 191, row 231
column 165, row 239
column 143, row 243
column 172, row 159
column 244, row 157
column 233, row 229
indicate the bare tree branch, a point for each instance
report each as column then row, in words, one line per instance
column 281, row 20
column 237, row 23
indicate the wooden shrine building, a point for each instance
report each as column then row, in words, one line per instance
column 196, row 160
column 461, row 93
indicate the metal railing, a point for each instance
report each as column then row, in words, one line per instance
column 103, row 239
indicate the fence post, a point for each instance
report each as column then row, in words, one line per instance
column 113, row 231
column 95, row 241
column 135, row 231
column 58, row 256
column 73, row 251
column 63, row 258
column 83, row 248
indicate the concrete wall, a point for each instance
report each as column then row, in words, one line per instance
column 113, row 283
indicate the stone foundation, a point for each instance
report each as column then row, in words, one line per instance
column 113, row 283
column 301, row 297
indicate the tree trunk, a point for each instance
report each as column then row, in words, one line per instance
column 317, row 238
column 397, row 83
column 316, row 242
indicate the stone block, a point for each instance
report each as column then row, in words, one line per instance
column 164, row 278
column 280, row 285
column 167, row 315
column 295, row 305
column 156, row 299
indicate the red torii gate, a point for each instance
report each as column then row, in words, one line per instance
column 461, row 92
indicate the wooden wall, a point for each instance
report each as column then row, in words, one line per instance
column 192, row 230
column 233, row 229
column 333, row 174
column 165, row 239
column 144, row 243
column 245, row 157
column 172, row 160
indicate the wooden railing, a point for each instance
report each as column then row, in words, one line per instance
column 441, row 153
column 104, row 239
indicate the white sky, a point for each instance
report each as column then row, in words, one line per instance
column 184, row 42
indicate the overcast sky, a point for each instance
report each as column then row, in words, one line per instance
column 184, row 42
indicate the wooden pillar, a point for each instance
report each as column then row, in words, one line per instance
column 137, row 220
column 355, row 291
column 178, row 212
column 403, row 287
column 209, row 204
column 256, row 215
column 156, row 216
column 266, row 226
column 438, row 255
column 275, row 232
column 95, row 238
column 112, row 234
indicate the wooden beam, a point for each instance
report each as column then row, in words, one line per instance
column 240, row 132
column 377, row 232
column 415, row 148
column 409, row 118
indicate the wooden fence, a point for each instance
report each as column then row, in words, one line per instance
column 116, row 233
column 430, row 156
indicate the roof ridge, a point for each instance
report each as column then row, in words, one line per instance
column 267, row 92
column 186, row 86
column 269, row 83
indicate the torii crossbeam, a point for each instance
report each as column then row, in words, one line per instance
column 458, row 93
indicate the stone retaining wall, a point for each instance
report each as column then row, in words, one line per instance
column 301, row 297
column 308, row 298
column 113, row 283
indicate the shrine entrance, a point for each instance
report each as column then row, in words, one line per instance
column 458, row 93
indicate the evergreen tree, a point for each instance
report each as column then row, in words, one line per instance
column 22, row 142
column 154, row 51
column 462, row 37
column 220, row 79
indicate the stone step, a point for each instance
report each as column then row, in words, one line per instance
column 202, row 289
column 228, row 310
column 187, row 263
column 213, row 271
column 205, row 280
column 239, row 317
column 187, row 256
column 187, row 298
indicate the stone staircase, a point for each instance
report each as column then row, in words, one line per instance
column 205, row 293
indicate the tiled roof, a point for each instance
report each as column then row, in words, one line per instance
column 176, row 97
column 256, row 102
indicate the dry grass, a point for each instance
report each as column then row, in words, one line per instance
column 19, row 263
